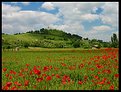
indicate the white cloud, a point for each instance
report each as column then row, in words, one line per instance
column 22, row 21
column 90, row 17
column 70, row 18
column 48, row 6
column 102, row 28
column 24, row 3
column 74, row 28
column 110, row 14
column 7, row 9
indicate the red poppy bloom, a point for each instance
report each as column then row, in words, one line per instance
column 102, row 82
column 89, row 63
column 7, row 75
column 108, row 82
column 116, row 75
column 96, row 77
column 44, row 75
column 111, row 87
column 10, row 77
column 4, row 69
column 63, row 82
column 63, row 64
column 85, row 77
column 12, row 72
column 17, row 83
column 66, row 78
column 53, row 74
column 46, row 68
column 39, row 79
column 30, row 72
column 99, row 66
column 14, row 88
column 92, row 69
column 57, row 76
column 56, row 68
column 26, row 83
column 8, row 84
column 27, row 65
column 36, row 71
column 50, row 67
column 48, row 78
column 80, row 82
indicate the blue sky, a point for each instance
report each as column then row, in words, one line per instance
column 87, row 19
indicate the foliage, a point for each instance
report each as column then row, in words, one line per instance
column 114, row 41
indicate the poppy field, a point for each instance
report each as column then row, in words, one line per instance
column 61, row 70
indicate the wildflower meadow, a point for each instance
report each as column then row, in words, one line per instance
column 61, row 70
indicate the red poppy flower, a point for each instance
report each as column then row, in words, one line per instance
column 7, row 75
column 63, row 82
column 12, row 72
column 36, row 71
column 99, row 66
column 46, row 68
column 10, row 77
column 57, row 76
column 80, row 82
column 63, row 64
column 96, row 77
column 50, row 67
column 14, row 88
column 53, row 74
column 111, row 87
column 85, row 78
column 26, row 83
column 108, row 82
column 27, row 65
column 17, row 83
column 102, row 82
column 4, row 69
column 116, row 75
column 48, row 78
column 44, row 75
column 8, row 84
column 56, row 68
column 30, row 72
column 39, row 79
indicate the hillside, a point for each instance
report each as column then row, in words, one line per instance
column 51, row 38
column 41, row 38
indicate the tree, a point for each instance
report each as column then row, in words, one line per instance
column 114, row 41
column 76, row 44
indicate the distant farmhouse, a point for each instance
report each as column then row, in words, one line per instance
column 95, row 47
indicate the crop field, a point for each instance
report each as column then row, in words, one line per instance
column 61, row 70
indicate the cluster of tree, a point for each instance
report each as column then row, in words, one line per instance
column 65, row 40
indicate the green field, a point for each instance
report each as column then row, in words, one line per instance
column 60, row 69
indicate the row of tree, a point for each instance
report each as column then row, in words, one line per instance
column 66, row 40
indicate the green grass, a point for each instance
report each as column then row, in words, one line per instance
column 54, row 57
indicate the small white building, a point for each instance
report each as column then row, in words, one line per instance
column 95, row 47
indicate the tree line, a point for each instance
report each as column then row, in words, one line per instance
column 53, row 38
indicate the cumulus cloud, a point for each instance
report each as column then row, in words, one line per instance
column 74, row 28
column 23, row 20
column 110, row 13
column 7, row 9
column 70, row 18
column 24, row 3
column 48, row 6
column 90, row 17
column 102, row 28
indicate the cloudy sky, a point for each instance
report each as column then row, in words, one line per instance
column 88, row 19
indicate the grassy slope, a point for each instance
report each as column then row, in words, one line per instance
column 29, row 37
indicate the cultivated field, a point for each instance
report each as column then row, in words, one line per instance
column 66, row 69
